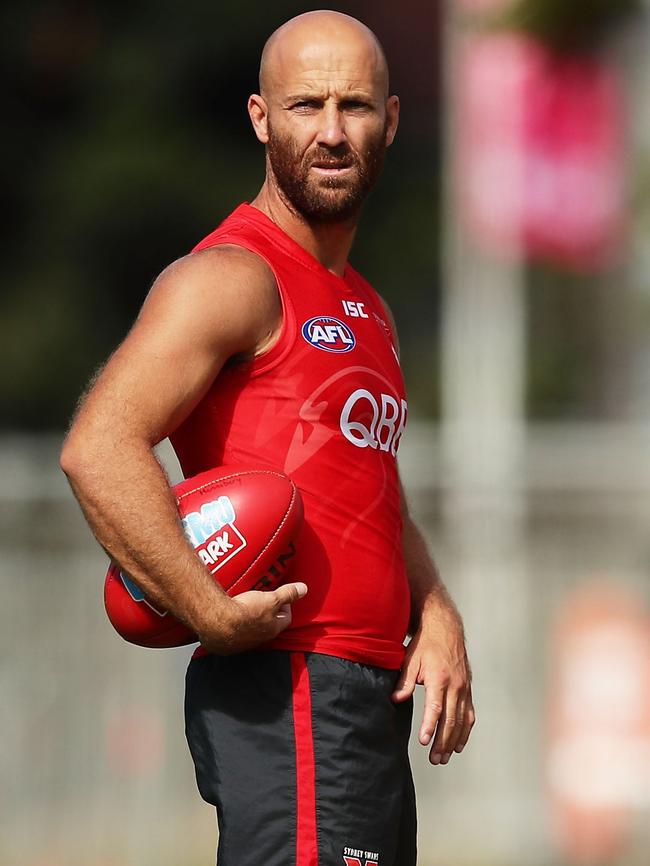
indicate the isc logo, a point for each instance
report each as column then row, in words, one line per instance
column 329, row 334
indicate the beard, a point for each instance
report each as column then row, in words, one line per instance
column 325, row 199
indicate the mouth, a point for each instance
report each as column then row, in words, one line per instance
column 331, row 168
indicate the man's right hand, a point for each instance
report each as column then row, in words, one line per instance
column 253, row 618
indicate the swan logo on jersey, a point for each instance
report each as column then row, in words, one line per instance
column 329, row 334
column 213, row 534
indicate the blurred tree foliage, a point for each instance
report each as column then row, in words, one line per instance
column 567, row 26
column 129, row 140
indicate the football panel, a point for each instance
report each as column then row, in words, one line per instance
column 242, row 545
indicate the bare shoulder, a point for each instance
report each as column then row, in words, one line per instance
column 222, row 275
column 226, row 262
column 202, row 310
column 225, row 296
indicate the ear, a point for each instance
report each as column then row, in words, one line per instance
column 392, row 116
column 258, row 111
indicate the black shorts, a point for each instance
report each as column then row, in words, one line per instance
column 305, row 758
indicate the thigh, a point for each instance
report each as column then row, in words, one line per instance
column 238, row 723
column 364, row 793
column 305, row 758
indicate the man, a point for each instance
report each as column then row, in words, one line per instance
column 265, row 347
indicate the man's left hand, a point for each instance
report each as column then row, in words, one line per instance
column 437, row 659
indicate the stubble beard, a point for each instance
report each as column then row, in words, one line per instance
column 323, row 199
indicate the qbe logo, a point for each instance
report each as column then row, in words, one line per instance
column 329, row 334
column 370, row 422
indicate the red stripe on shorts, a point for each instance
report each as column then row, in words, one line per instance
column 306, row 840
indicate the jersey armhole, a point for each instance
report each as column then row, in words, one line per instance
column 370, row 294
column 268, row 359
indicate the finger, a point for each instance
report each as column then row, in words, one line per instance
column 406, row 682
column 450, row 746
column 468, row 723
column 289, row 592
column 434, row 702
column 404, row 690
column 446, row 732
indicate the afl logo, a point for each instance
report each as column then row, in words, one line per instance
column 329, row 334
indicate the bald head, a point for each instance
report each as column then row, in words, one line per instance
column 324, row 115
column 318, row 42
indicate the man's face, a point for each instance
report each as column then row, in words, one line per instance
column 328, row 129
column 326, row 182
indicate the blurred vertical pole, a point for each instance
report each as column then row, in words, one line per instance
column 483, row 364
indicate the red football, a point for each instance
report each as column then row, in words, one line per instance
column 242, row 524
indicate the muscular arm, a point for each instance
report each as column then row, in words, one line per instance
column 428, row 593
column 436, row 656
column 202, row 310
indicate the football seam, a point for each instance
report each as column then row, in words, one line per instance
column 233, row 475
column 294, row 491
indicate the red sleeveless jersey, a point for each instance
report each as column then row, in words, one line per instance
column 326, row 405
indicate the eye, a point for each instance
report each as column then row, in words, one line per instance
column 355, row 105
column 305, row 104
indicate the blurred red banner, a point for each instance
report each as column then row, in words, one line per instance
column 540, row 157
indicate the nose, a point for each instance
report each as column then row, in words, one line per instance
column 331, row 132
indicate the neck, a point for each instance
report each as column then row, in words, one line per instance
column 330, row 243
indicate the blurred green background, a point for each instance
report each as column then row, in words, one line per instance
column 129, row 140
